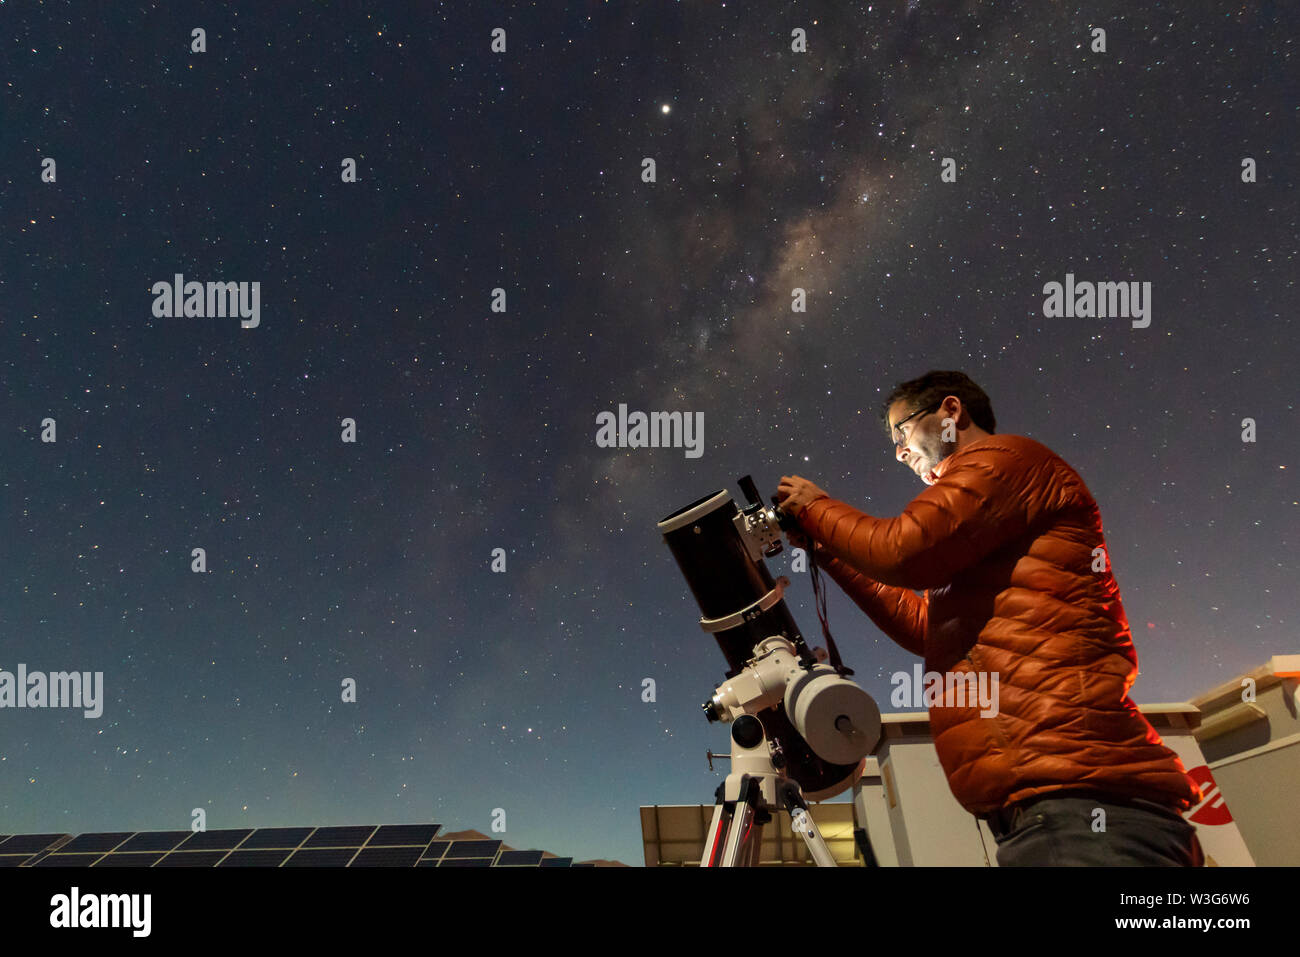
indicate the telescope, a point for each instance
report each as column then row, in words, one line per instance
column 799, row 726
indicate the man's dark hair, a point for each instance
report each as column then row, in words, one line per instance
column 933, row 387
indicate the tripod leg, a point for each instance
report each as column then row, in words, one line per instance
column 717, row 836
column 804, row 825
column 760, row 817
column 738, row 845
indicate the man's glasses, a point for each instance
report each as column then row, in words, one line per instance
column 899, row 436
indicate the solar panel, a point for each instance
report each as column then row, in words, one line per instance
column 286, row 837
column 352, row 837
column 403, row 835
column 226, row 840
column 243, row 858
column 95, row 843
column 519, row 859
column 155, row 841
column 31, row 843
column 467, row 849
column 388, row 856
column 19, row 849
column 192, row 859
column 66, row 860
column 392, row 845
column 133, row 859
column 322, row 857
column 435, row 852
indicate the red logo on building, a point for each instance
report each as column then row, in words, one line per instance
column 1213, row 809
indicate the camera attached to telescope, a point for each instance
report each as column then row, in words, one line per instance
column 798, row 724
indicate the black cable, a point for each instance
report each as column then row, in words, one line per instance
column 819, row 603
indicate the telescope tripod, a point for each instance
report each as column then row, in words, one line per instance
column 746, row 801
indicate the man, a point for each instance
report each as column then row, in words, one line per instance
column 1007, row 543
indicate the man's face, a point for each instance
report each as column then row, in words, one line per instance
column 922, row 448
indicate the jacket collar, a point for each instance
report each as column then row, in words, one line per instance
column 944, row 465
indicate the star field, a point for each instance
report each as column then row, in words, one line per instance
column 523, row 171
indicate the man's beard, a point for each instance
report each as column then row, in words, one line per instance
column 933, row 451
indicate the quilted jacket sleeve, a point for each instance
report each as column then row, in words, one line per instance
column 983, row 500
column 898, row 612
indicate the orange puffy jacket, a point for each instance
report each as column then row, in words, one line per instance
column 1003, row 544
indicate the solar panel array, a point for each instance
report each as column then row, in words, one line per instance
column 390, row 845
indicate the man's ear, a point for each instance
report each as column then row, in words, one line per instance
column 952, row 409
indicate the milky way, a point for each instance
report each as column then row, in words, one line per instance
column 775, row 171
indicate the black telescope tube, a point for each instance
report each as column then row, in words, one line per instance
column 724, row 579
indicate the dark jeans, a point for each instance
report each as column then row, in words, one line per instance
column 1060, row 831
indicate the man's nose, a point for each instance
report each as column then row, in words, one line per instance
column 900, row 453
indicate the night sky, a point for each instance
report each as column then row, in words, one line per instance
column 476, row 428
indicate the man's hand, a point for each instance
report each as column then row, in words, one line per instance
column 795, row 494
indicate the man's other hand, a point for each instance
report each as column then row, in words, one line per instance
column 795, row 494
